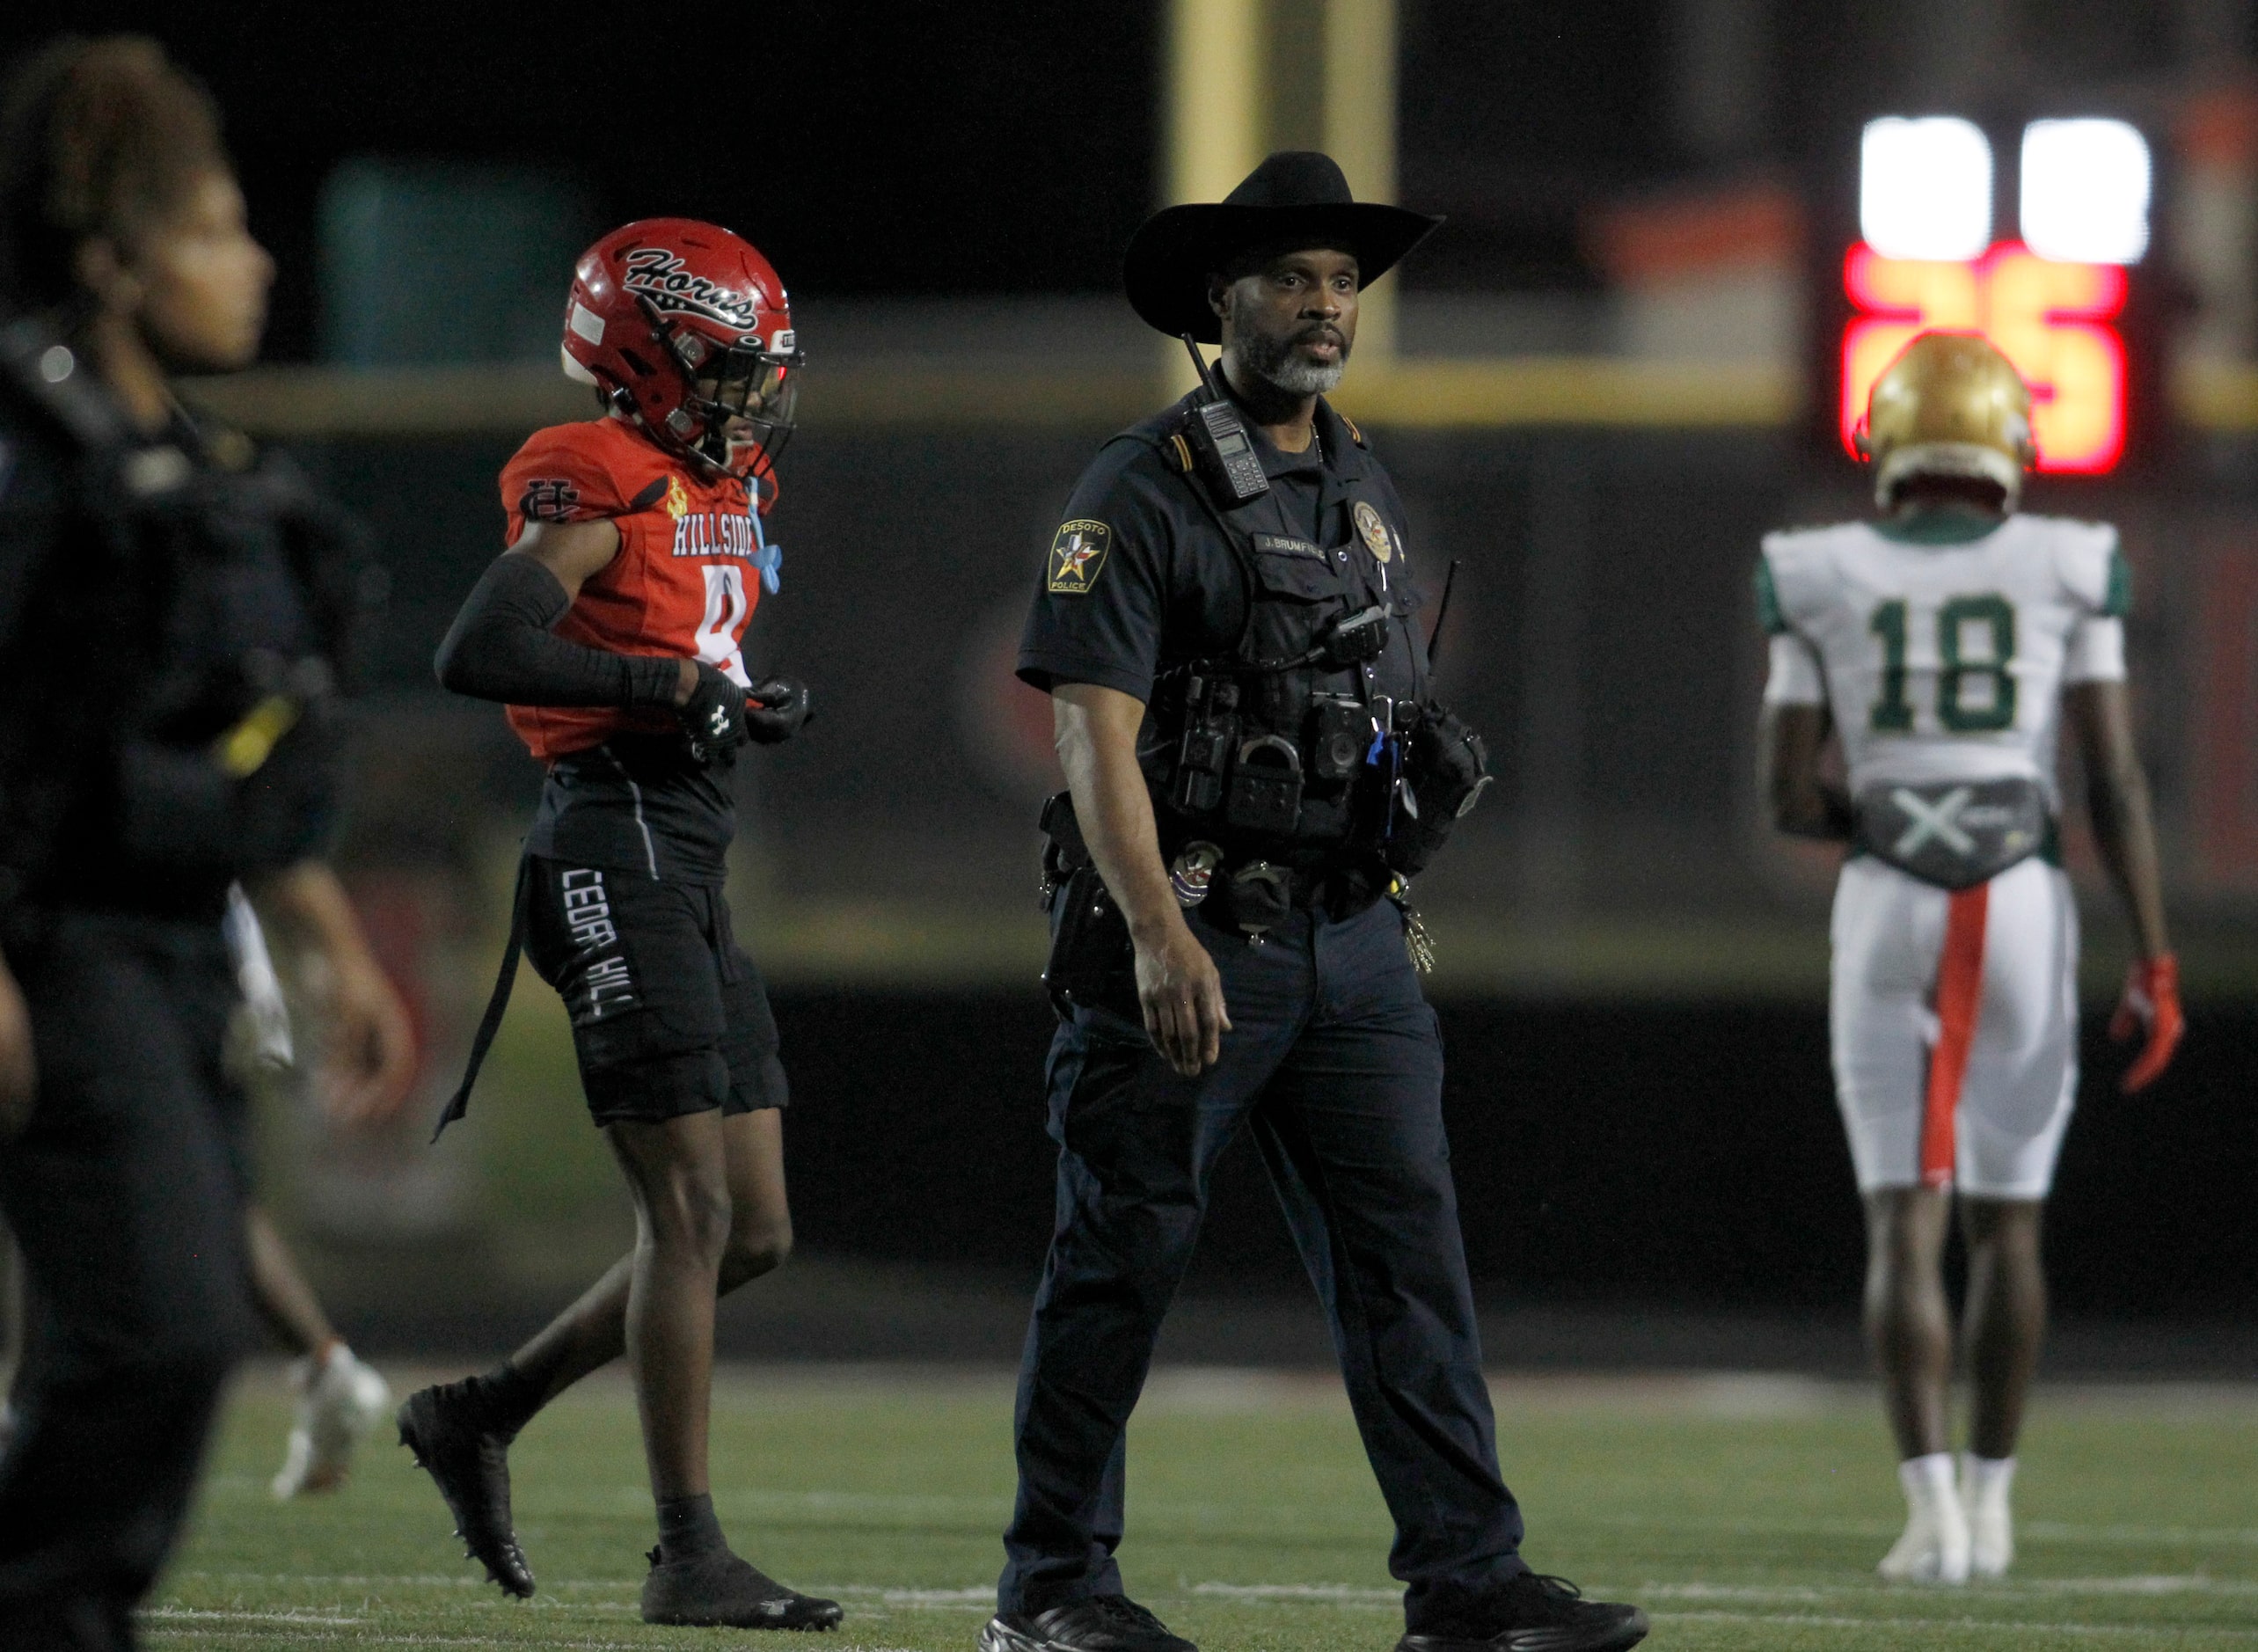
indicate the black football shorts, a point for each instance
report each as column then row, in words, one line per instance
column 669, row 1016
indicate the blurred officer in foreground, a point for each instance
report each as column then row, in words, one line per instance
column 174, row 616
column 612, row 628
column 1257, row 770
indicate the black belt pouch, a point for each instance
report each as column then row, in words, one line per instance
column 1091, row 961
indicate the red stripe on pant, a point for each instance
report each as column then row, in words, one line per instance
column 1959, row 996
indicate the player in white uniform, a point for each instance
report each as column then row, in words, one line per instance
column 1944, row 646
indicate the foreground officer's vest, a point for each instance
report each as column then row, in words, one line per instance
column 220, row 609
column 1286, row 747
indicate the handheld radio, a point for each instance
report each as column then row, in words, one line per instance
column 1222, row 453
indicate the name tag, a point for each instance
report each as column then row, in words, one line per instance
column 1278, row 544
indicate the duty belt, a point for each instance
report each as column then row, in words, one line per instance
column 1253, row 895
column 1248, row 892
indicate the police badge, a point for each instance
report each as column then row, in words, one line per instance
column 1377, row 540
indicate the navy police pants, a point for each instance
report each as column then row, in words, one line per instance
column 126, row 1195
column 1336, row 1065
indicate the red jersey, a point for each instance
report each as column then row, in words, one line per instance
column 685, row 581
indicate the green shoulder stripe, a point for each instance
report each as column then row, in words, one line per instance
column 2116, row 601
column 1768, row 614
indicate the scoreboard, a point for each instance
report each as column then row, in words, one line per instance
column 2052, row 300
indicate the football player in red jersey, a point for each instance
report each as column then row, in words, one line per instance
column 611, row 630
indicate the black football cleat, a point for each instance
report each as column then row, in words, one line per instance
column 720, row 1590
column 1534, row 1613
column 1103, row 1623
column 445, row 1427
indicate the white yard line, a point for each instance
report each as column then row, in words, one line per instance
column 379, row 1638
column 1197, row 1388
column 2040, row 1530
column 350, row 1579
column 204, row 1614
column 514, row 1644
column 2063, row 1531
column 1986, row 1590
column 2013, row 1624
column 1334, row 1594
column 982, row 1596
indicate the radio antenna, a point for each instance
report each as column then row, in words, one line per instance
column 1442, row 613
column 1200, row 366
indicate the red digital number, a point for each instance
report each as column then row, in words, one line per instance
column 2050, row 319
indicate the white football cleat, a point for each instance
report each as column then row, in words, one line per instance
column 1983, row 1487
column 1934, row 1548
column 338, row 1400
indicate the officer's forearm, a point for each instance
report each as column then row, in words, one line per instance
column 1096, row 731
column 311, row 907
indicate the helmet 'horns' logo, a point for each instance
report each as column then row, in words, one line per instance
column 657, row 274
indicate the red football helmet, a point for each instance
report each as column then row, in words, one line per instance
column 686, row 330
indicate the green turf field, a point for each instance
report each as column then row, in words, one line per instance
column 1744, row 1513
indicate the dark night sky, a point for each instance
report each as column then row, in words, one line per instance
column 911, row 147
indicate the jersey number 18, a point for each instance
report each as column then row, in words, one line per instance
column 1960, row 711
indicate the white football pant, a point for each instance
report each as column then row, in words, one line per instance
column 1954, row 1024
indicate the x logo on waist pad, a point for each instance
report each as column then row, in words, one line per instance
column 1939, row 821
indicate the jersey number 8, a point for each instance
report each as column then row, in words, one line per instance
column 1961, row 711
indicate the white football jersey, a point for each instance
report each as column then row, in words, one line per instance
column 1943, row 661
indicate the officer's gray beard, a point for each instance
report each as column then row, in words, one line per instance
column 1274, row 362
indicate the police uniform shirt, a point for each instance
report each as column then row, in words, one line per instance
column 38, row 473
column 61, row 604
column 1140, row 578
column 70, row 591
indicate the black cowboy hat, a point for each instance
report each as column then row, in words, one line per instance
column 1295, row 200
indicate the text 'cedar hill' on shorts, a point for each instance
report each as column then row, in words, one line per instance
column 669, row 1016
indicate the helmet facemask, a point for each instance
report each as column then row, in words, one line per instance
column 758, row 390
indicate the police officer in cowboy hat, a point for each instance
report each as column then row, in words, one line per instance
column 1257, row 768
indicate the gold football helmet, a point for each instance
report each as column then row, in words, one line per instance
column 1950, row 405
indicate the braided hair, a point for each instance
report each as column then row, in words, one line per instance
column 97, row 138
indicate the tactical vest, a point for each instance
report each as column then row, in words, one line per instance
column 1290, row 746
column 226, row 605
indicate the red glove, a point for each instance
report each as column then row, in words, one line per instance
column 2150, row 1004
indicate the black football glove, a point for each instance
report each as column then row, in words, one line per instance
column 776, row 710
column 713, row 720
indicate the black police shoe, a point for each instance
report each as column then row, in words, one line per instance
column 720, row 1590
column 1103, row 1623
column 446, row 1429
column 1533, row 1614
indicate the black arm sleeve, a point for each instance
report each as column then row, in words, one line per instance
column 500, row 649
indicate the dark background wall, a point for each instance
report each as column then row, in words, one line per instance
column 1685, row 1154
column 924, row 147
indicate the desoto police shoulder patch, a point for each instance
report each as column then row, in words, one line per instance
column 1077, row 554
